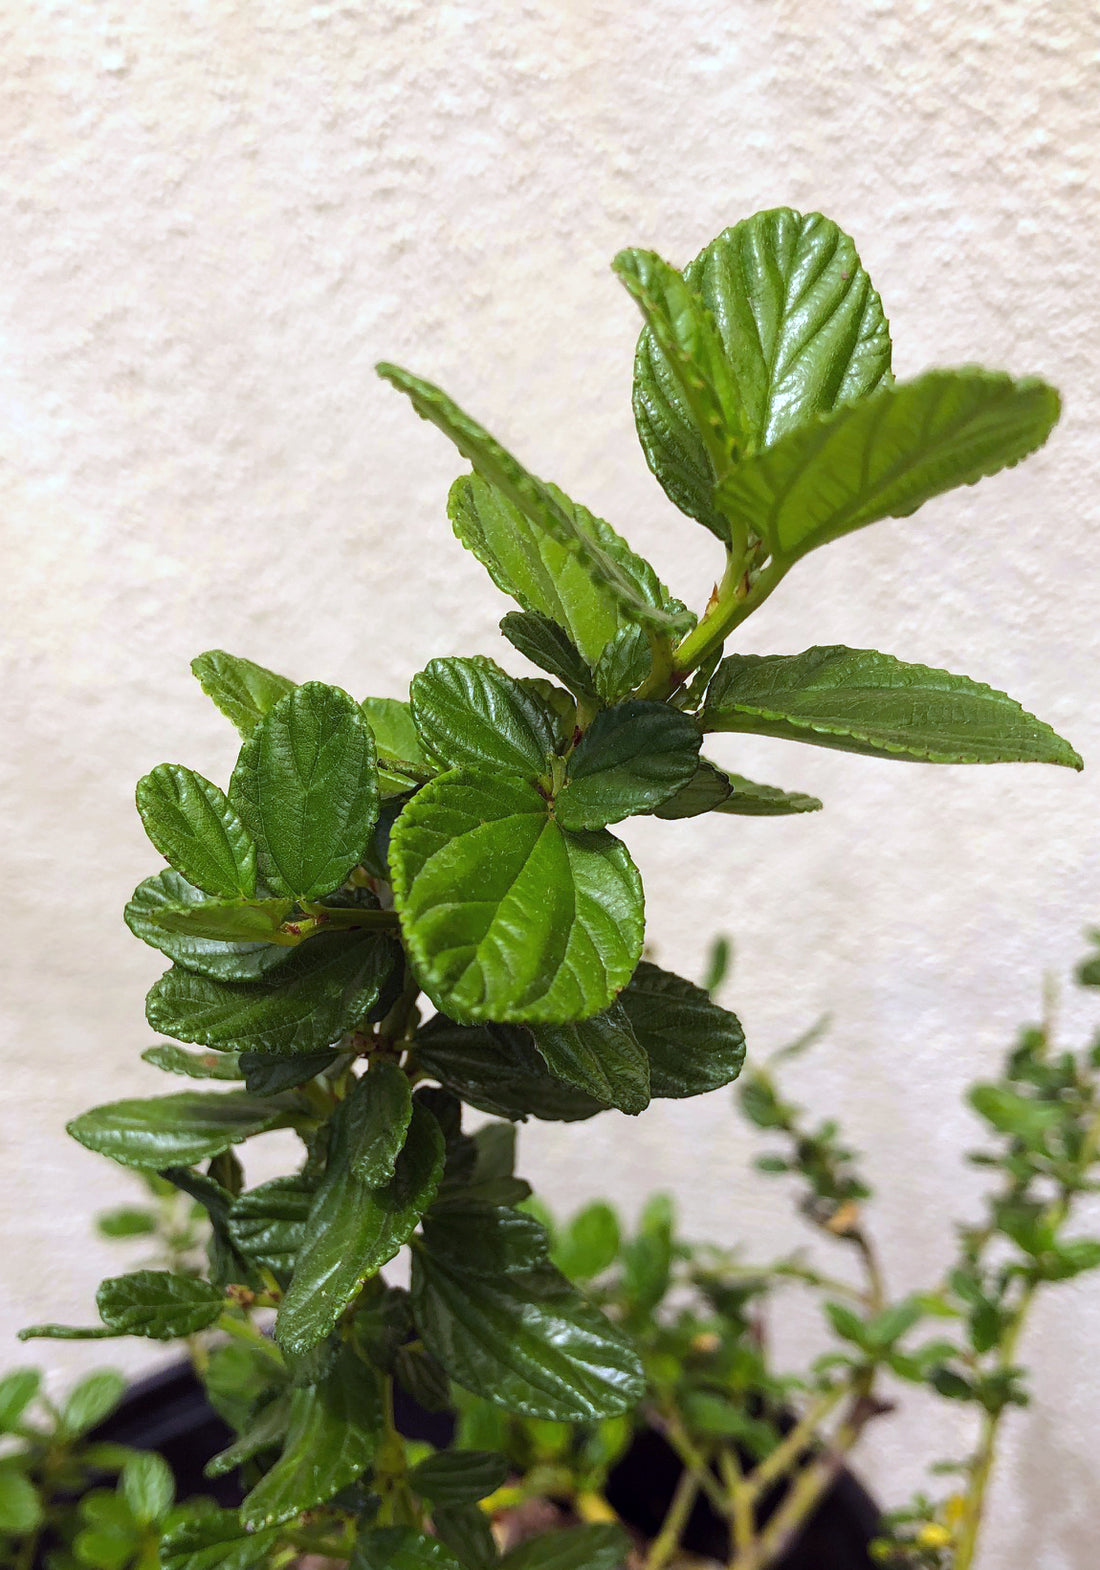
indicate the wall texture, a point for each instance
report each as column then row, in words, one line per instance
column 217, row 217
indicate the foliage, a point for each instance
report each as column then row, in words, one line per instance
column 367, row 860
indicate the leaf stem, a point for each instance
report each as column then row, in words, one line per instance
column 737, row 598
column 667, row 1541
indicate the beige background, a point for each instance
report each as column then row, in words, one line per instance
column 217, row 217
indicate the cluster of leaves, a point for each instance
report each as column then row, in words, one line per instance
column 457, row 847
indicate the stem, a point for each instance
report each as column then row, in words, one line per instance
column 735, row 601
column 791, row 1447
column 740, row 1511
column 694, row 1462
column 667, row 1541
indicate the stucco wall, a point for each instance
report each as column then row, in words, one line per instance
column 217, row 217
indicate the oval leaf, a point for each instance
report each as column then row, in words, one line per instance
column 692, row 1044
column 400, row 1548
column 602, row 1547
column 242, row 690
column 383, row 1109
column 632, row 758
column 467, row 711
column 267, row 1224
column 158, row 1304
column 174, row 1130
column 208, row 957
column 459, row 1477
column 193, row 826
column 498, row 1071
column 600, row 1056
column 550, row 647
column 215, row 1540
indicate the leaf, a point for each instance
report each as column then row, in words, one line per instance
column 623, row 665
column 334, row 1428
column 549, row 516
column 193, row 826
column 477, row 1239
column 306, row 786
column 20, row 1507
column 705, row 791
column 506, row 916
column 1016, row 1115
column 589, row 1244
column 550, row 647
column 602, row 1547
column 526, row 1342
column 466, row 1532
column 193, row 1065
column 802, row 331
column 354, row 1228
column 397, row 744
column 692, row 1044
column 126, row 1221
column 225, row 921
column 858, row 700
column 400, row 1548
column 268, row 1223
column 243, row 691
column 647, row 1257
column 224, row 961
column 459, row 1477
column 632, row 758
column 327, row 987
column 148, row 1487
column 498, row 1071
column 93, row 1399
column 467, row 711
column 266, row 1432
column 750, row 800
column 158, row 1304
column 383, row 1109
column 17, row 1390
column 599, row 1056
column 215, row 1540
column 175, row 1130
column 886, row 456
column 269, row 1076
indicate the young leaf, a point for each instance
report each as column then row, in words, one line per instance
column 466, row 1532
column 599, row 1056
column 242, row 690
column 467, row 711
column 268, row 1223
column 886, row 456
column 400, row 1548
column 459, row 1477
column 802, row 331
column 195, row 829
column 93, row 1399
column 601, row 1547
column 546, row 511
column 750, row 800
column 333, row 1431
column 354, row 1228
column 692, row 1044
column 266, row 1432
column 306, row 785
column 377, row 1134
column 17, row 1390
column 225, row 921
column 705, row 791
column 207, row 957
column 589, row 1244
column 21, row 1508
column 327, row 987
column 193, row 1065
column 632, row 758
column 157, row 1304
column 498, row 1071
column 215, row 1540
column 148, row 1487
column 624, row 664
column 506, row 915
column 397, row 744
column 550, row 647
column 174, row 1130
column 858, row 700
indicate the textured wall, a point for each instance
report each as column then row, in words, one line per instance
column 217, row 217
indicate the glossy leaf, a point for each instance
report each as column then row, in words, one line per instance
column 467, row 711
column 306, row 785
column 601, row 1547
column 400, row 1548
column 265, row 1075
column 550, row 647
column 750, row 800
column 333, row 1430
column 858, row 700
column 354, row 1228
column 215, row 1540
column 478, row 1239
column 692, row 1044
column 498, row 1071
column 193, row 1065
column 206, row 956
column 327, row 987
column 158, row 1304
column 458, row 1477
column 599, row 1056
column 397, row 744
column 225, row 921
column 506, row 915
column 193, row 826
column 266, row 1432
column 623, row 665
column 383, row 1109
column 268, row 1223
column 243, row 691
column 632, row 758
column 886, row 456
column 175, row 1130
column 705, row 791
column 548, row 514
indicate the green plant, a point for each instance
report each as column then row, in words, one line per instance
column 456, row 848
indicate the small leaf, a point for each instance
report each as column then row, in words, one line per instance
column 546, row 512
column 243, row 691
column 692, row 1044
column 507, row 916
column 602, row 1547
column 20, row 1507
column 477, row 1239
column 459, row 1477
column 158, row 1304
column 193, row 826
column 466, row 1531
column 400, row 1548
column 498, row 1071
column 126, row 1221
column 306, row 786
column 268, row 1223
column 173, row 1130
column 624, row 664
column 225, row 921
column 1011, row 1113
column 384, row 1107
column 750, row 800
column 599, row 1056
column 17, row 1390
column 208, row 957
column 326, row 988
column 550, row 647
column 193, row 1065
column 353, row 1227
column 589, row 1244
column 93, row 1399
column 467, row 711
column 858, row 700
column 266, row 1432
column 215, row 1540
column 705, row 791
column 265, row 1075
column 632, row 758
column 334, row 1428
column 397, row 744
column 148, row 1487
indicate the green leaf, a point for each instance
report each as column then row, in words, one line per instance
column 599, row 1056
column 477, row 1239
column 589, row 1244
column 306, row 786
column 1011, row 1113
column 243, row 691
column 158, row 1304
column 268, row 1223
column 353, row 1227
column 215, row 1540
column 550, row 516
column 224, row 961
column 400, row 1548
column 225, row 921
column 692, row 1044
column 193, row 1065
column 858, row 700
column 623, row 665
column 269, row 1076
column 20, row 1507
column 175, row 1130
column 802, row 332
column 466, row 1532
column 886, row 456
column 397, row 744
column 498, row 1071
column 383, row 1109
column 17, row 1390
column 527, row 1342
column 327, row 987
column 266, row 1432
column 148, row 1486
column 647, row 1257
column 126, row 1221
column 506, row 915
column 93, row 1399
column 632, row 758
column 193, row 826
column 602, row 1547
column 705, row 791
column 467, row 711
column 750, row 800
column 459, row 1477
column 545, row 644
column 334, row 1428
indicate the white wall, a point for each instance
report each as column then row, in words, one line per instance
column 217, row 217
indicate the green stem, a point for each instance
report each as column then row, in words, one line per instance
column 694, row 1461
column 791, row 1447
column 740, row 1511
column 667, row 1541
column 735, row 601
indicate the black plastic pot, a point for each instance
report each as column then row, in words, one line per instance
column 168, row 1412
